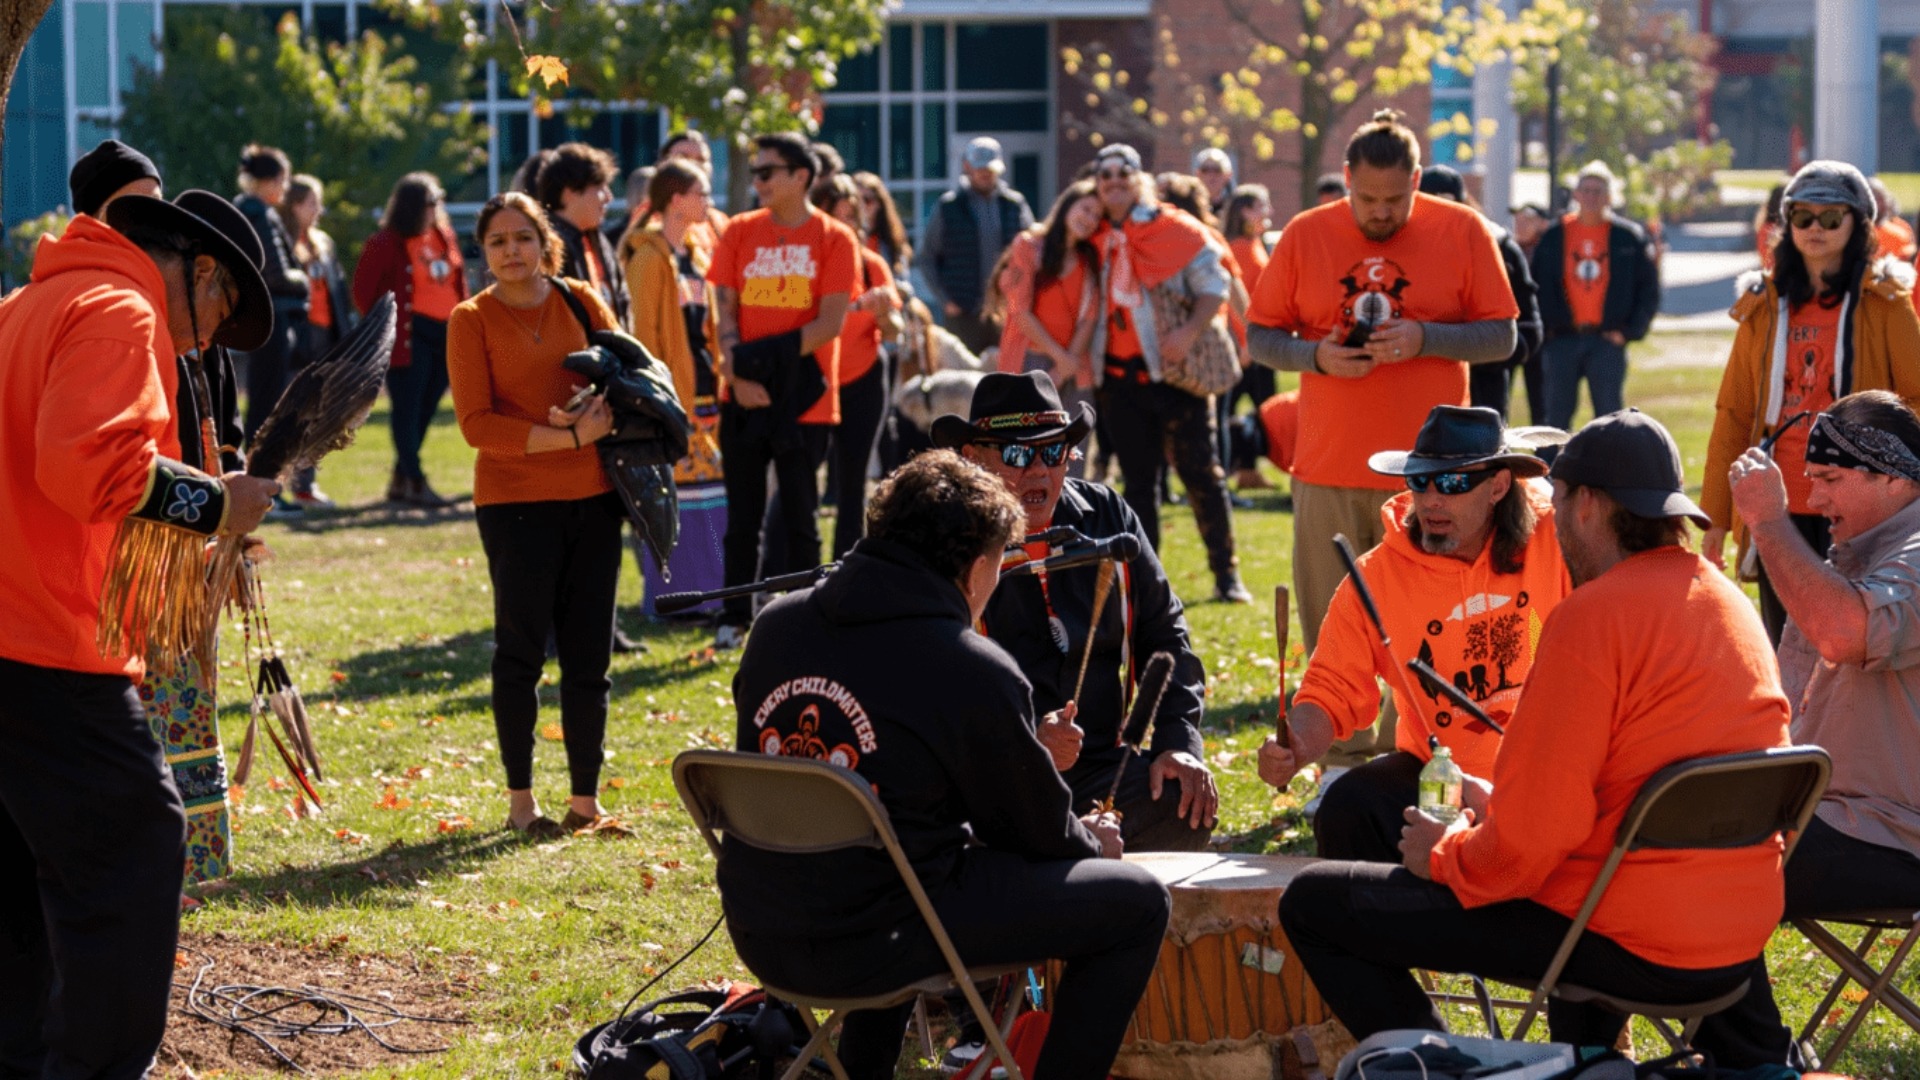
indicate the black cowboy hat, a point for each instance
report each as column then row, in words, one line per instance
column 1013, row 408
column 1455, row 437
column 217, row 228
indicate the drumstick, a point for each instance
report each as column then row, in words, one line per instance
column 1360, row 589
column 1146, row 703
column 1280, row 604
column 1100, row 590
column 1454, row 694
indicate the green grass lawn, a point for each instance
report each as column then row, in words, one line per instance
column 386, row 621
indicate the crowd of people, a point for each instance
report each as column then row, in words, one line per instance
column 1549, row 577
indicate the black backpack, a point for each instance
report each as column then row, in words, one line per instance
column 733, row 1033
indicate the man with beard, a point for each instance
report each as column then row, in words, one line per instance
column 1465, row 580
column 1655, row 657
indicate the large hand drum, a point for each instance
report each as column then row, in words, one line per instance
column 1228, row 986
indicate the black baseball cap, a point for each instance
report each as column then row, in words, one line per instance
column 1632, row 458
column 104, row 170
column 1444, row 181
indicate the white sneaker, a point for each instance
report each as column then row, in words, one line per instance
column 729, row 637
column 1328, row 778
column 962, row 1057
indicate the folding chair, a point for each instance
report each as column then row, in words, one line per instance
column 800, row 806
column 1877, row 982
column 1723, row 802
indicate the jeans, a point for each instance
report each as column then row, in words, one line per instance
column 93, row 837
column 746, row 482
column 414, row 392
column 1569, row 358
column 1105, row 918
column 1147, row 422
column 554, row 568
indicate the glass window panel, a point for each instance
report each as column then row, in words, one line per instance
column 513, row 145
column 1000, row 56
column 90, row 45
column 928, row 199
column 859, row 73
column 933, row 156
column 900, row 58
column 900, row 142
column 1026, row 179
column 136, row 40
column 330, row 22
column 933, row 50
column 854, row 130
column 1001, row 116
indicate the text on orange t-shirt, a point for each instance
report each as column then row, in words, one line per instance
column 1813, row 334
column 1586, row 270
column 1442, row 266
column 781, row 274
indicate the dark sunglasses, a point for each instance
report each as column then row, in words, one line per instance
column 1829, row 219
column 1020, row 455
column 1121, row 173
column 764, row 173
column 1449, row 483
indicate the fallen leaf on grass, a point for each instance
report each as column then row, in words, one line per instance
column 455, row 823
column 553, row 733
column 337, row 676
column 348, row 836
column 392, row 801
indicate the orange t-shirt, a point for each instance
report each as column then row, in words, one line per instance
column 434, row 262
column 1813, row 335
column 1587, row 270
column 1476, row 627
column 1895, row 237
column 319, row 301
column 1658, row 660
column 1057, row 304
column 781, row 275
column 860, row 340
column 504, row 380
column 1442, row 266
column 1280, row 416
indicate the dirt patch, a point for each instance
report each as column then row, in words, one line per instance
column 221, row 976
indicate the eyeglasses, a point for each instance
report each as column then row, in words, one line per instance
column 1830, row 219
column 1449, row 483
column 1021, row 455
column 764, row 173
column 1124, row 172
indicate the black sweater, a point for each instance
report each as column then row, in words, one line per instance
column 878, row 668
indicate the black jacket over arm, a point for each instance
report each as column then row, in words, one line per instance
column 1151, row 619
column 1526, row 296
column 878, row 669
column 575, row 242
column 285, row 279
column 1633, row 280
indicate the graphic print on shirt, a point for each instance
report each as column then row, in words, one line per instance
column 1496, row 638
column 1806, row 351
column 1589, row 261
column 815, row 717
column 1373, row 287
column 779, row 277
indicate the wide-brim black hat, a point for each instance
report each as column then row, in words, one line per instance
column 1013, row 408
column 219, row 229
column 1455, row 437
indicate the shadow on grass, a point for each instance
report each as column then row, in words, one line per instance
column 386, row 876
column 378, row 515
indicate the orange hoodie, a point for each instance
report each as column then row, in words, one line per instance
column 1658, row 660
column 1472, row 625
column 86, row 395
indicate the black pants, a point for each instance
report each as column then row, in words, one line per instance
column 863, row 402
column 414, row 393
column 1359, row 927
column 270, row 366
column 1489, row 386
column 1360, row 816
column 1149, row 421
column 1831, row 873
column 1146, row 823
column 1104, row 918
column 1817, row 531
column 93, row 839
column 1535, row 379
column 554, row 568
column 747, row 459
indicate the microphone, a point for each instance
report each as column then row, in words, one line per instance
column 1122, row 548
column 1055, row 536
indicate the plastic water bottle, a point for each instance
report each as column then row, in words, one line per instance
column 1440, row 784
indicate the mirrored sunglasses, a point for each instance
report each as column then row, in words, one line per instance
column 1449, row 483
column 1021, row 455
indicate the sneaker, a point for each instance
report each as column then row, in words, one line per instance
column 729, row 636
column 1239, row 502
column 426, row 498
column 312, row 499
column 962, row 1057
column 624, row 644
column 1328, row 778
column 1229, row 589
column 285, row 509
column 399, row 489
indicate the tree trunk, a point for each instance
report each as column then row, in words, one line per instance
column 18, row 19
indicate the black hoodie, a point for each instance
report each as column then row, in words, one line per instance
column 879, row 669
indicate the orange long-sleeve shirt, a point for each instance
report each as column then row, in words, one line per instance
column 1476, row 627
column 1658, row 660
column 504, row 380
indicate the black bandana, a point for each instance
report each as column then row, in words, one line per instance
column 1856, row 446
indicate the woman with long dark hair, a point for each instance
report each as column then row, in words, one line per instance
column 666, row 255
column 330, row 311
column 880, row 224
column 416, row 257
column 1830, row 319
column 1047, row 290
column 548, row 517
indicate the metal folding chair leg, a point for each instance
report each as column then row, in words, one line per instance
column 1854, row 967
column 820, row 1044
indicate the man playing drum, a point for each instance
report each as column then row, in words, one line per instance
column 878, row 669
column 1465, row 580
column 1655, row 657
column 1018, row 431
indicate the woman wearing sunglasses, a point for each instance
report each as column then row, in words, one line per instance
column 1831, row 318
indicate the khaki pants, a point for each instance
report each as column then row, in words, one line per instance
column 1319, row 513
